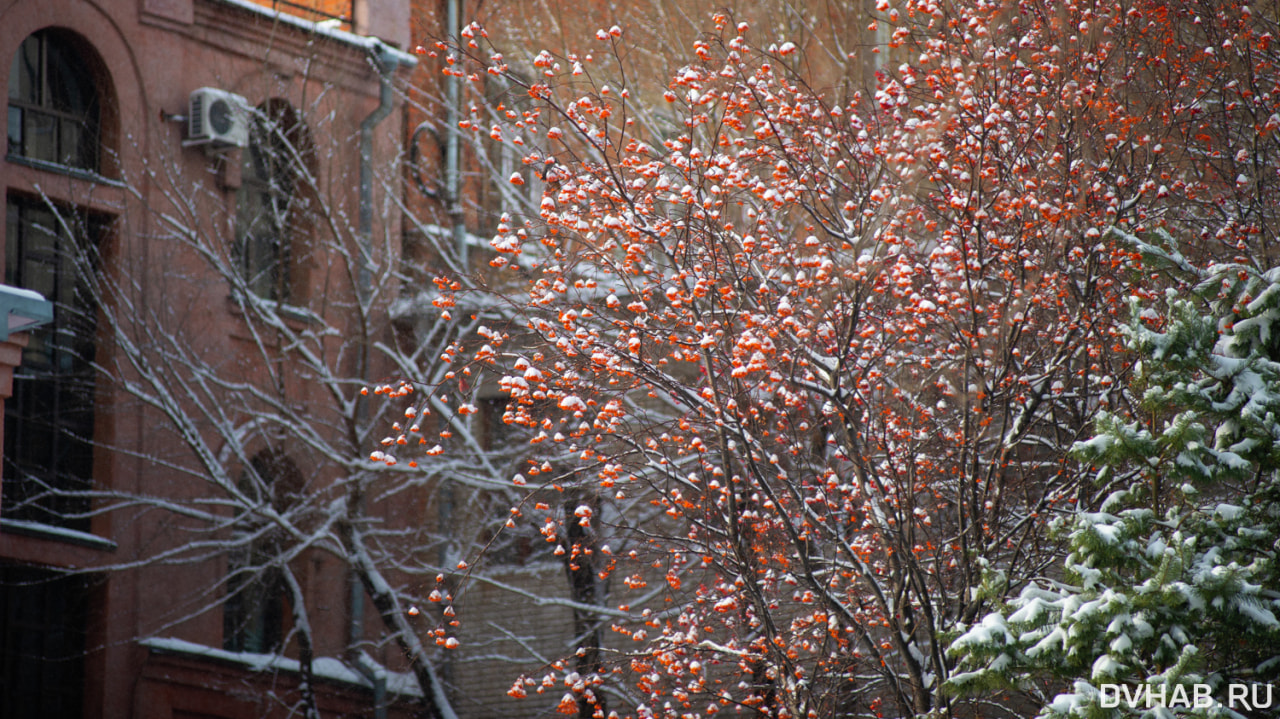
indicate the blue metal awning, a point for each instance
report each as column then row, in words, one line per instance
column 22, row 310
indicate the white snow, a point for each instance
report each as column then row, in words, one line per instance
column 49, row 531
column 1106, row 667
column 1107, row 533
column 1030, row 612
column 20, row 292
column 320, row 28
column 1229, row 512
column 328, row 668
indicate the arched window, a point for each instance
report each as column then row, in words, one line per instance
column 271, row 204
column 55, row 102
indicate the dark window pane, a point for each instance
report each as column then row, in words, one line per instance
column 69, row 151
column 254, row 610
column 15, row 75
column 24, row 74
column 267, row 212
column 40, row 136
column 12, row 217
column 69, row 86
column 253, row 615
column 48, row 450
column 42, row 642
column 15, row 129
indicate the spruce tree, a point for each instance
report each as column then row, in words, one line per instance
column 1171, row 582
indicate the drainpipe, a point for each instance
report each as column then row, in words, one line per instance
column 377, row 676
column 386, row 62
column 453, row 190
column 371, row 671
column 452, row 172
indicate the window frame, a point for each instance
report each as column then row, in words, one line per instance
column 54, row 397
column 271, row 214
column 255, row 608
column 87, row 119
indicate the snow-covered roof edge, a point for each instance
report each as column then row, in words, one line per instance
column 328, row 668
column 333, row 33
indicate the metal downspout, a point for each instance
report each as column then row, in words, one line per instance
column 386, row 63
column 377, row 676
column 453, row 189
column 452, row 163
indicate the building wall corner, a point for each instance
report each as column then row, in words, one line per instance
column 387, row 20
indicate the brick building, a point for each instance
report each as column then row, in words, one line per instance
column 120, row 195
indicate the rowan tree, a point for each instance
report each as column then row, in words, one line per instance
column 805, row 369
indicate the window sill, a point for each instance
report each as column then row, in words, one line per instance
column 56, row 534
column 67, row 170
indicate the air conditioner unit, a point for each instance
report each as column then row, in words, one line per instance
column 217, row 119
